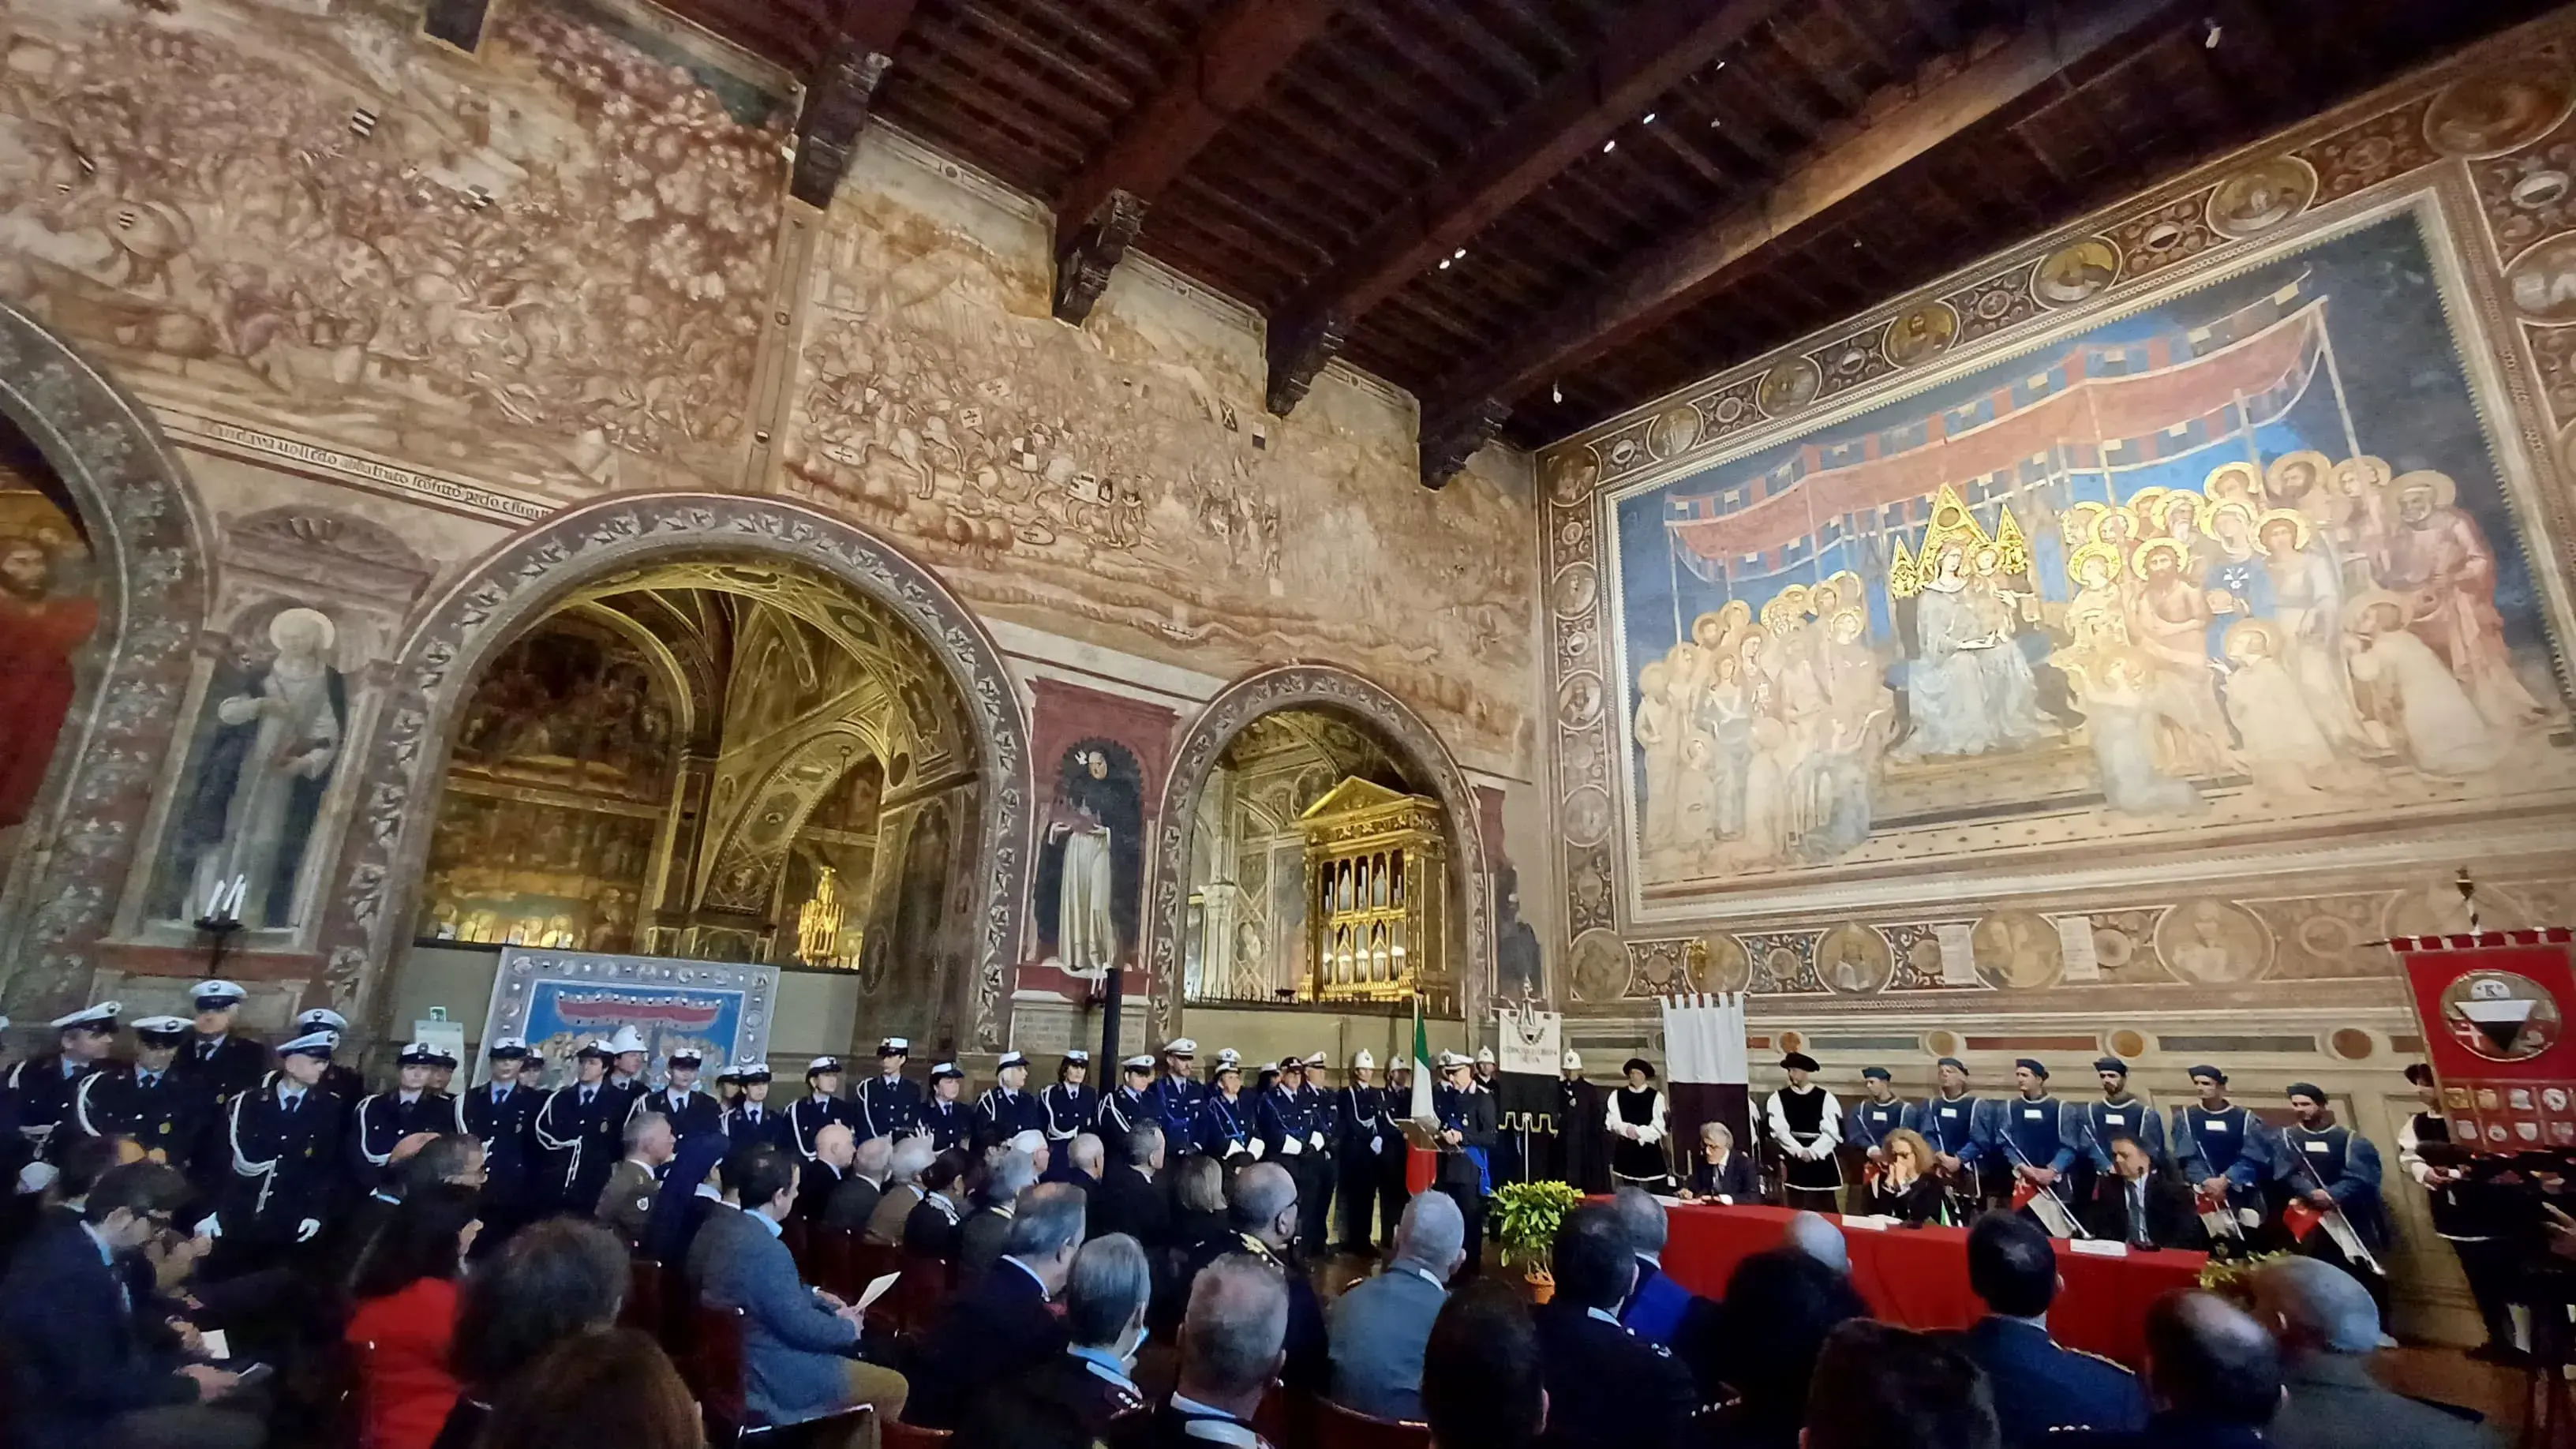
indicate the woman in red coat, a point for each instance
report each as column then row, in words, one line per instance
column 406, row 1316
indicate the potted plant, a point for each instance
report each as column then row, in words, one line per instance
column 1528, row 1215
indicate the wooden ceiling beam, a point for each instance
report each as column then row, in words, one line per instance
column 1653, row 50
column 1667, row 279
column 1229, row 66
column 837, row 94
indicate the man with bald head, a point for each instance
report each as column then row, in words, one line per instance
column 2328, row 1328
column 1231, row 1348
column 1379, row 1327
column 1263, row 1210
column 835, row 1149
column 2213, row 1377
column 855, row 1200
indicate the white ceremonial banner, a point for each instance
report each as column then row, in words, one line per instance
column 1533, row 1041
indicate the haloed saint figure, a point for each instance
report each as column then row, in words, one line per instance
column 1093, row 860
column 270, row 742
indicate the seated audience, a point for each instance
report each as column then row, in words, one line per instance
column 979, row 1237
column 911, row 1158
column 690, row 1190
column 1811, row 1234
column 1658, row 1309
column 1198, row 1198
column 1084, row 1159
column 1878, row 1387
column 2040, row 1389
column 1779, row 1308
column 627, row 1200
column 614, row 1386
column 1482, row 1382
column 1072, row 1399
column 854, row 1200
column 799, row 1345
column 1230, row 1350
column 80, row 1371
column 930, row 1230
column 2328, row 1328
column 405, row 1316
column 553, row 1280
column 1264, row 1217
column 1132, row 1198
column 1908, row 1186
column 1000, row 1327
column 836, row 1155
column 1379, row 1326
column 723, row 1219
column 2137, row 1204
column 1606, row 1387
column 1719, row 1173
column 2214, row 1377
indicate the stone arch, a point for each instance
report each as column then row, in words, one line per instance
column 151, row 540
column 1320, row 687
column 516, row 583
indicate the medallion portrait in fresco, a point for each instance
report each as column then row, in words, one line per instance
column 49, row 620
column 2235, row 565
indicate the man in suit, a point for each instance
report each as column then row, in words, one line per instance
column 627, row 1201
column 2137, row 1204
column 382, row 1119
column 1000, row 1328
column 498, row 1114
column 1230, row 1351
column 799, row 1345
column 2040, row 1388
column 1083, row 1164
column 2328, row 1328
column 855, row 1197
column 1380, row 1327
column 981, row 1237
column 164, row 1111
column 691, row 1111
column 1131, row 1200
column 1076, row 1397
column 81, row 1373
column 912, row 1156
column 1262, row 1209
column 2215, row 1378
column 1658, row 1310
column 1606, row 1386
column 836, row 1153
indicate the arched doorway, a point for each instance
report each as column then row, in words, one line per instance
column 849, row 663
column 130, row 554
column 1353, row 729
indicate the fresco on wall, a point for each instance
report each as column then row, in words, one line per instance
column 2237, row 564
column 49, row 617
column 540, row 264
column 1120, row 483
column 1091, row 861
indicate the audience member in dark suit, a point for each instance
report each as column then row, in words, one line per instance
column 1076, row 1398
column 1230, row 1351
column 2138, row 1204
column 1658, row 1309
column 81, row 1373
column 1606, row 1387
column 2328, row 1328
column 981, row 1235
column 1379, row 1327
column 799, row 1344
column 855, row 1200
column 1780, row 1305
column 836, row 1149
column 2040, row 1389
column 1000, row 1328
column 1264, row 1218
column 1084, row 1158
column 1482, row 1375
column 1718, row 1172
column 930, row 1231
column 1877, row 1385
column 2214, row 1377
column 1131, row 1199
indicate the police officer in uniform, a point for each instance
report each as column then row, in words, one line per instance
column 1950, row 1119
column 1177, row 1096
column 151, row 1101
column 579, row 1129
column 693, row 1113
column 1467, row 1131
column 45, row 1085
column 1071, row 1106
column 498, row 1114
column 1395, row 1107
column 822, row 1106
column 944, row 1120
column 750, row 1121
column 225, row 1061
column 383, row 1120
column 889, row 1102
column 1225, row 1121
column 1122, row 1110
column 2327, row 1165
column 1360, row 1143
column 288, row 1176
column 1295, row 1123
column 2120, row 1113
column 2472, row 1214
column 1008, row 1108
column 2037, row 1137
column 2225, row 1151
column 338, row 1078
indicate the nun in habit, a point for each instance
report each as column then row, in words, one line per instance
column 1806, row 1124
column 1636, row 1125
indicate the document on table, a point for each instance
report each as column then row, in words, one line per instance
column 2100, row 1247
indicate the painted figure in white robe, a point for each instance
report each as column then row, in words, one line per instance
column 2307, row 608
column 2284, row 748
column 1086, row 928
column 1660, row 734
column 262, row 781
column 2414, row 696
column 1970, row 691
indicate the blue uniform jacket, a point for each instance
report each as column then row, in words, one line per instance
column 888, row 1108
column 2128, row 1117
column 2231, row 1143
column 1955, row 1125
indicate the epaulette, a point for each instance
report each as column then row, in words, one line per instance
column 2098, row 1358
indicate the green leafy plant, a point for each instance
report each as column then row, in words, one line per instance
column 1527, row 1216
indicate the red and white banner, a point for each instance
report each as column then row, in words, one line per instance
column 2494, row 1008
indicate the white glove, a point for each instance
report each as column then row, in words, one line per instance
column 1319, row 1141
column 1255, row 1149
column 307, row 1230
column 1725, row 1200
column 1290, row 1146
column 1376, row 1145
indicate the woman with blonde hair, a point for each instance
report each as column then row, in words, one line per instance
column 1907, row 1186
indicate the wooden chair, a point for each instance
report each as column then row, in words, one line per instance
column 714, row 1369
column 831, row 1431
column 869, row 1262
column 896, row 1434
column 920, row 1292
column 646, row 1305
column 830, row 1250
column 1350, row 1429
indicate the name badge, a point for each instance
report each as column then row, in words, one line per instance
column 1949, row 1111
column 2318, row 1146
column 2217, row 1124
column 2032, row 1114
column 2114, row 1118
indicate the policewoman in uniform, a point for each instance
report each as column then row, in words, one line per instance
column 384, row 1119
column 150, row 1101
column 500, row 1113
column 693, row 1113
column 889, row 1102
column 288, row 1175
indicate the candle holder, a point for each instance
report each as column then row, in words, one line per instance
column 219, row 931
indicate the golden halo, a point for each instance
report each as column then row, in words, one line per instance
column 2324, row 469
column 2374, row 469
column 2211, row 516
column 2243, row 470
column 2075, row 561
column 2445, row 492
column 2191, row 503
column 2145, row 498
column 1738, row 612
column 2153, row 546
column 2360, row 605
column 2109, row 516
column 2290, row 516
column 2245, row 631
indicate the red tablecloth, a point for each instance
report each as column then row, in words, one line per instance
column 1919, row 1276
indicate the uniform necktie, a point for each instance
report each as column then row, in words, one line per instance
column 587, row 1093
column 147, row 1079
column 294, row 1100
column 2138, row 1210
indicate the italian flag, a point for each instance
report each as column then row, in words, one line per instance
column 1421, row 1164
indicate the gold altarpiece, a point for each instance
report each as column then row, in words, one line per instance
column 1377, row 873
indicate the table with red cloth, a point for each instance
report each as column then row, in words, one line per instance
column 1918, row 1277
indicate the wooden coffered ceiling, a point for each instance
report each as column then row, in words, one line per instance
column 1534, row 214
